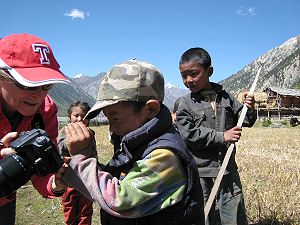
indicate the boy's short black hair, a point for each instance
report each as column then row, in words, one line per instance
column 198, row 55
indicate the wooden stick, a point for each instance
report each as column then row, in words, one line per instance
column 228, row 153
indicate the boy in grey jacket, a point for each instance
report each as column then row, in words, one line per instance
column 206, row 120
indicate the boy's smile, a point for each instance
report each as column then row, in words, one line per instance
column 194, row 76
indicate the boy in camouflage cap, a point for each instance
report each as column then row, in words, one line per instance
column 152, row 178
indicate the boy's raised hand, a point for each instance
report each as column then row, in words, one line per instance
column 78, row 137
column 249, row 100
column 57, row 184
column 233, row 135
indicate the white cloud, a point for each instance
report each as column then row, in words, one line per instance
column 241, row 11
column 77, row 14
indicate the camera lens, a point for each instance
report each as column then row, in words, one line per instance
column 14, row 172
column 35, row 154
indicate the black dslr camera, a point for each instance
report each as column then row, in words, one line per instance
column 35, row 155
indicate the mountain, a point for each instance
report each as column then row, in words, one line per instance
column 85, row 88
column 172, row 92
column 280, row 68
column 66, row 94
column 90, row 86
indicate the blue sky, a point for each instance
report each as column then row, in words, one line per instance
column 90, row 36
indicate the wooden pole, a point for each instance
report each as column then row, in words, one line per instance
column 228, row 153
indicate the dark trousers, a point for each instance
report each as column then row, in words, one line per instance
column 229, row 207
column 8, row 213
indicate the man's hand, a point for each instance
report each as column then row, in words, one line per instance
column 232, row 135
column 249, row 100
column 78, row 137
column 6, row 141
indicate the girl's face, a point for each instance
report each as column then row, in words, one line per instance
column 77, row 115
column 15, row 99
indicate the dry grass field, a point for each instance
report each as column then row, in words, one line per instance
column 269, row 165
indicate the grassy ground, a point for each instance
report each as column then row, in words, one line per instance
column 269, row 165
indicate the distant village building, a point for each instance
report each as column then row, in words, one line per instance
column 280, row 102
column 282, row 97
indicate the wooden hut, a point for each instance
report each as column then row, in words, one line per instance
column 282, row 101
column 282, row 97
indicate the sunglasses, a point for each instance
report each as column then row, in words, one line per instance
column 46, row 87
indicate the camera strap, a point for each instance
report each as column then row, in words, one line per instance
column 38, row 122
column 15, row 121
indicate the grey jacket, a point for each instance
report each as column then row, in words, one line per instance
column 203, row 132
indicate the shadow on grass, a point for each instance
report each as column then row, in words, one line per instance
column 272, row 222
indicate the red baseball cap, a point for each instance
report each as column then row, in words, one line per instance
column 30, row 60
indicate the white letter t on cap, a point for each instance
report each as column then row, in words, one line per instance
column 43, row 50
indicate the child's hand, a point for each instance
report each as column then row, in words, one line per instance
column 78, row 137
column 9, row 137
column 232, row 135
column 249, row 100
column 57, row 184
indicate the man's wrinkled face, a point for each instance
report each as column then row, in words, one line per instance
column 194, row 76
column 16, row 99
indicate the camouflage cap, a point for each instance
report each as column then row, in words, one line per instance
column 131, row 80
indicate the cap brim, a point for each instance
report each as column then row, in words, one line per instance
column 36, row 76
column 99, row 105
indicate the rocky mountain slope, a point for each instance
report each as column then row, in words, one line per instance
column 90, row 86
column 280, row 68
column 85, row 88
column 65, row 94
